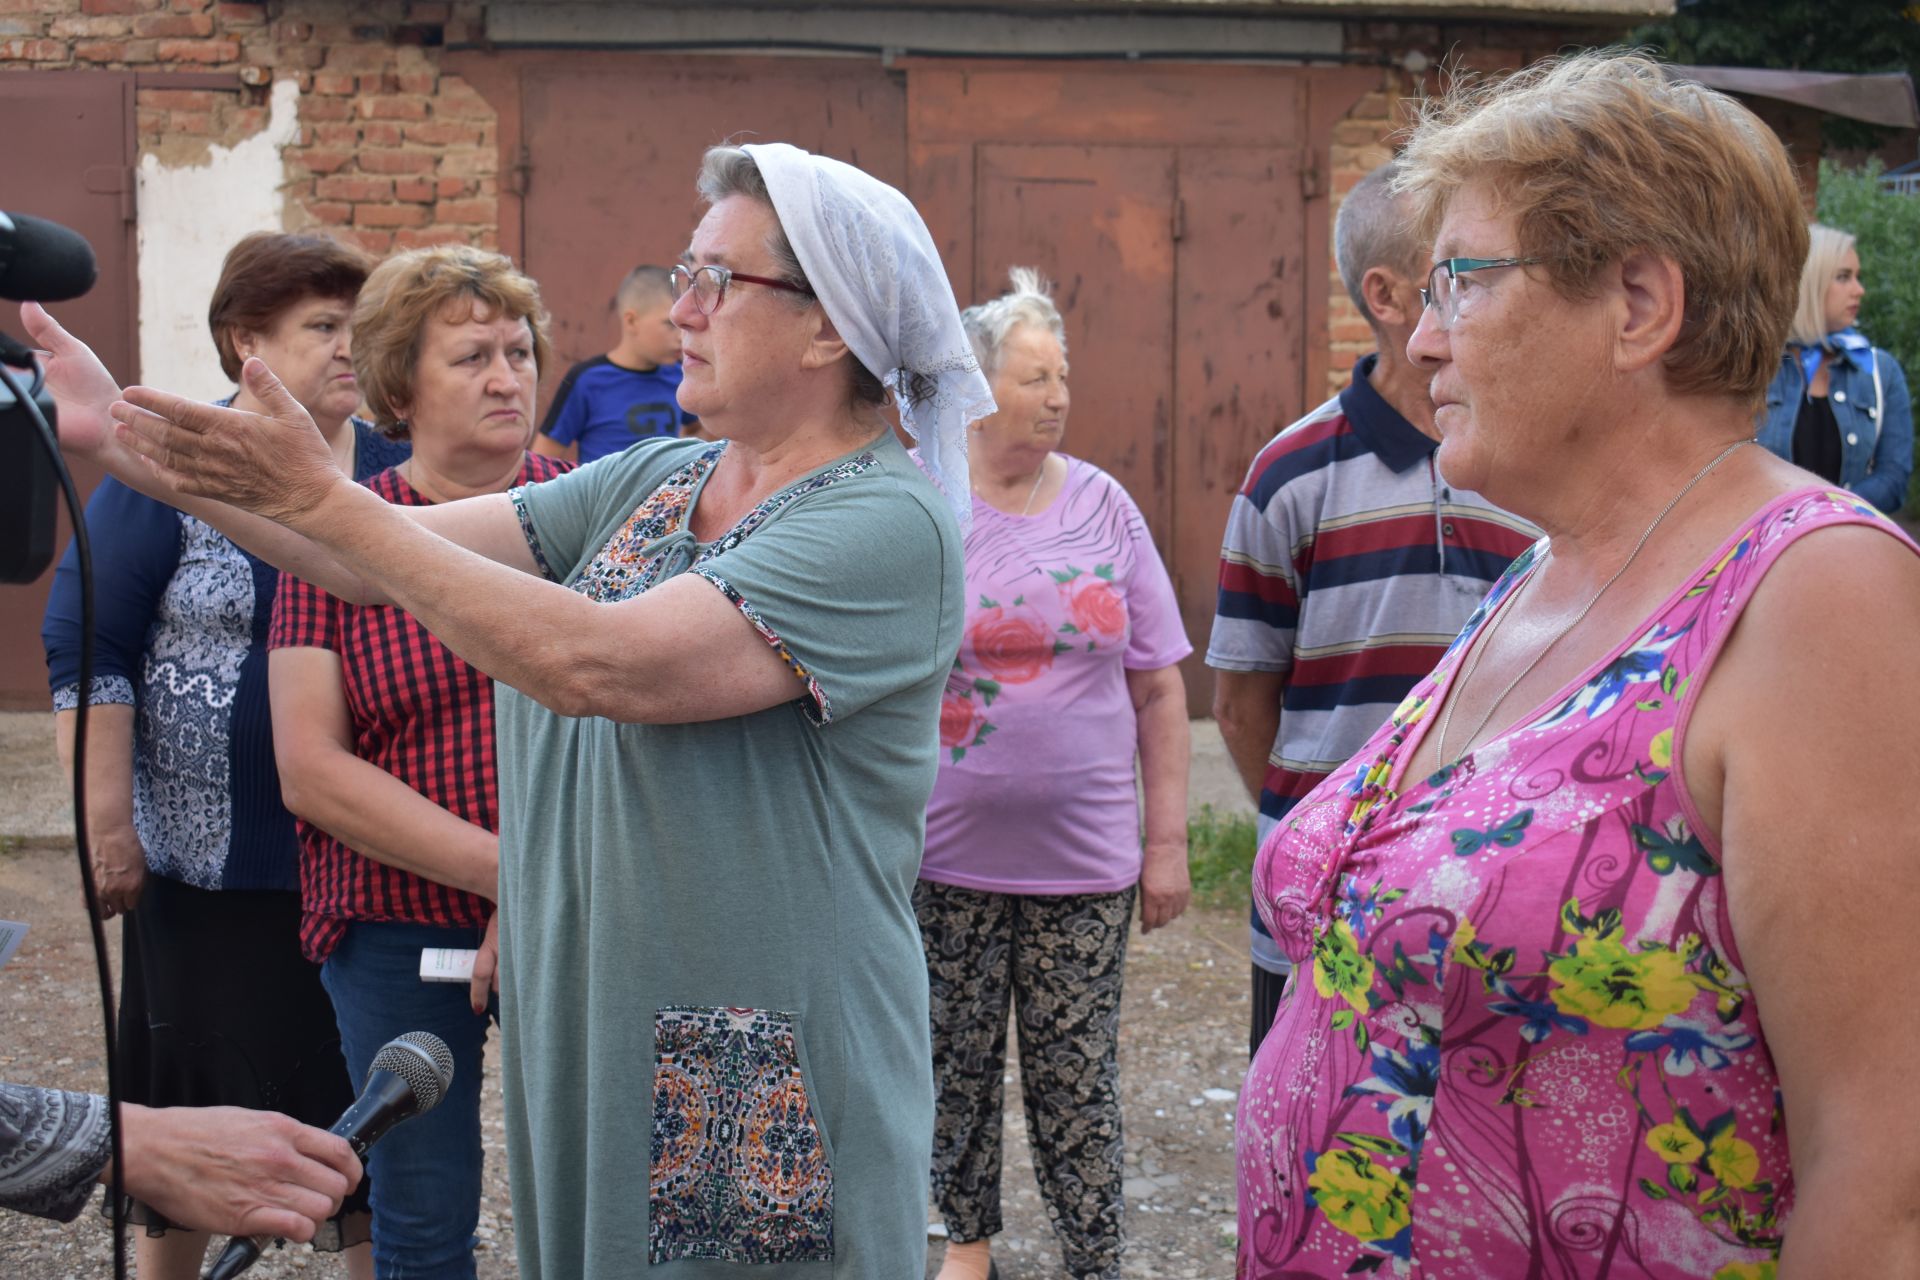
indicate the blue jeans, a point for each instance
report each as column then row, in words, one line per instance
column 426, row 1171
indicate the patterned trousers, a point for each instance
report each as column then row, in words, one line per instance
column 1059, row 960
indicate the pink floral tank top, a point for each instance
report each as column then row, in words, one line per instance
column 1519, row 1041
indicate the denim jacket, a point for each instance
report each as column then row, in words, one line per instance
column 1877, row 439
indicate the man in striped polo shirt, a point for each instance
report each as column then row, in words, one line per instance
column 1349, row 562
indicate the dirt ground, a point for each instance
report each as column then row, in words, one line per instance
column 1183, row 1051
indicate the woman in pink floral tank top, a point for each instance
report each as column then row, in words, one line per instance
column 1576, row 979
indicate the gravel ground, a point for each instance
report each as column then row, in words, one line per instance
column 1183, row 1050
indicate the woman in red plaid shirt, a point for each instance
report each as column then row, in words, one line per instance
column 386, row 739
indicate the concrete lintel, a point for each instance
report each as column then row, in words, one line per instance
column 998, row 34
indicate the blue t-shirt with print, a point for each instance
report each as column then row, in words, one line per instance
column 607, row 406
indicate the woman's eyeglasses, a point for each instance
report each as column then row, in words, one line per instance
column 709, row 285
column 1443, row 289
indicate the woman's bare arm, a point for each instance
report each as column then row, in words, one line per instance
column 1160, row 707
column 355, row 801
column 1802, row 753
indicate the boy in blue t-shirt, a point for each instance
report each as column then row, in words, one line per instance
column 606, row 403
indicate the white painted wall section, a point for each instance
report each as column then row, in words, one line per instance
column 189, row 216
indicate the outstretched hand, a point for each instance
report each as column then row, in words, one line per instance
column 83, row 390
column 275, row 464
column 240, row 1172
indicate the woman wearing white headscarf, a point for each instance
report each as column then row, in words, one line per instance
column 721, row 667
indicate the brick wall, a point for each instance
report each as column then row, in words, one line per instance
column 391, row 153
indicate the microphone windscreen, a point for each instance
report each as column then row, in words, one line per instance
column 423, row 1061
column 42, row 261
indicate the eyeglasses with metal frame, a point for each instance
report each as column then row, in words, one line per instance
column 1442, row 292
column 709, row 284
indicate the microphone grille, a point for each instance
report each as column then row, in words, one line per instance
column 423, row 1060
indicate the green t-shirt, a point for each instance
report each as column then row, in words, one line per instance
column 714, row 997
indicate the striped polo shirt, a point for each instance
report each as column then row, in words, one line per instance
column 1349, row 564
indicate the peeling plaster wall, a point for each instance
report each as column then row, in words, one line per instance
column 191, row 213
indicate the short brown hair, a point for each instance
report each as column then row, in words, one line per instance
column 410, row 288
column 269, row 271
column 1602, row 154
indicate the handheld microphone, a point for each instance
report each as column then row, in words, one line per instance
column 42, row 261
column 409, row 1076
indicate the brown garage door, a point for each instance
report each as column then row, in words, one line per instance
column 70, row 152
column 614, row 142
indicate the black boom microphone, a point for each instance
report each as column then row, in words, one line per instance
column 42, row 261
column 409, row 1076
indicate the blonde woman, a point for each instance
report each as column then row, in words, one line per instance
column 1839, row 405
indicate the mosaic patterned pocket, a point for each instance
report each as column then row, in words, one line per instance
column 740, row 1166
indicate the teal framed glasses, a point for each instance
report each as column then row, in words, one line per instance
column 1443, row 283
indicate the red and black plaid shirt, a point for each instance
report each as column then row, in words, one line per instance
column 418, row 712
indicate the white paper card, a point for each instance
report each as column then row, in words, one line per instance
column 446, row 964
column 12, row 934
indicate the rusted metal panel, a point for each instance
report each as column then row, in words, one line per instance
column 1099, row 221
column 1119, row 103
column 613, row 142
column 1240, row 317
column 72, row 133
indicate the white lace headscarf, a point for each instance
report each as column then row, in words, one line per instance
column 871, row 262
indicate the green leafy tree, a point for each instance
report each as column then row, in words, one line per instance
column 1794, row 35
column 1887, row 229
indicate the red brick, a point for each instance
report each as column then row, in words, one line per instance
column 147, row 120
column 476, row 210
column 391, row 215
column 242, row 15
column 377, row 82
column 414, row 190
column 67, row 28
column 469, row 164
column 332, row 82
column 21, row 27
column 357, row 57
column 335, row 213
column 247, row 120
column 427, row 237
column 490, row 239
column 385, row 161
column 442, row 133
column 381, row 133
column 461, row 104
column 324, row 161
column 343, row 186
column 392, row 108
column 33, row 50
column 196, row 124
column 317, row 108
column 116, row 6
column 428, row 11
column 448, row 188
column 294, row 32
column 178, row 99
column 305, row 56
column 336, row 135
column 98, row 51
column 204, row 52
column 374, row 242
column 422, row 82
column 173, row 24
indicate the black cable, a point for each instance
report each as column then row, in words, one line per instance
column 84, row 548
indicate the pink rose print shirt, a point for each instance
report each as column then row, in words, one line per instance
column 1037, row 732
column 1520, row 1041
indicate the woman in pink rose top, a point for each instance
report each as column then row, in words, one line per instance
column 1035, row 851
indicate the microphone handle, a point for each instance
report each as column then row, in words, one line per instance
column 384, row 1103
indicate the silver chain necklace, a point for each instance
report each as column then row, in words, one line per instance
column 1034, row 492
column 1473, row 665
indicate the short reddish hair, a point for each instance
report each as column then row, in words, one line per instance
column 269, row 271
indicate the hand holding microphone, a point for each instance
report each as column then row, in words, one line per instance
column 409, row 1076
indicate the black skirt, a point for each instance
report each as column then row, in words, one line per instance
column 218, row 1007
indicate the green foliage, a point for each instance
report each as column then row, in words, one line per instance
column 1220, row 849
column 1797, row 35
column 1887, row 227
